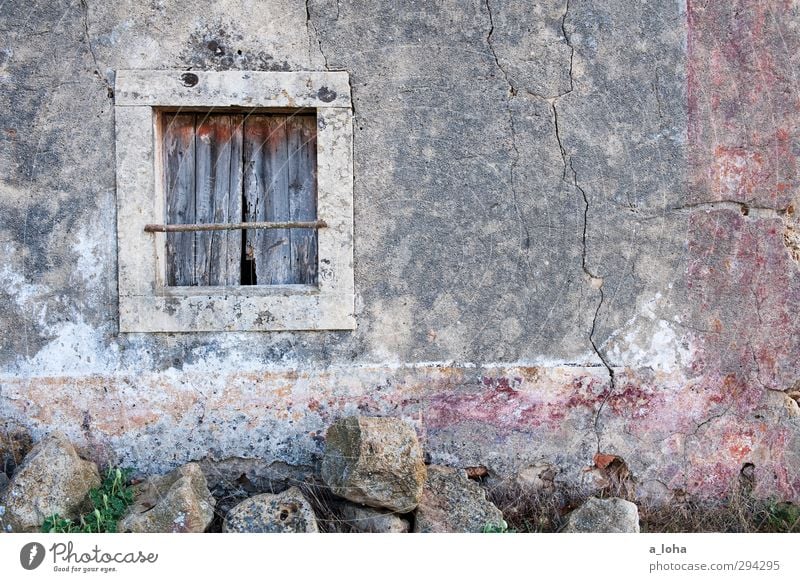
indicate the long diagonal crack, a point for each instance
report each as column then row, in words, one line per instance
column 570, row 176
column 512, row 91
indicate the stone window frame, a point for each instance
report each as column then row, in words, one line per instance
column 146, row 304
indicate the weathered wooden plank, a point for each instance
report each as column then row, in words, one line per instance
column 179, row 187
column 266, row 194
column 235, row 239
column 254, row 191
column 218, row 147
column 302, row 138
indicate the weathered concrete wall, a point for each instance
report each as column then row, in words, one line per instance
column 574, row 234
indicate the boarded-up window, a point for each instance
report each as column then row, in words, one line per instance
column 226, row 168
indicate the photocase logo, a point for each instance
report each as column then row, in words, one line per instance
column 32, row 555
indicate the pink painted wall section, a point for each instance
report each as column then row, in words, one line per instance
column 743, row 101
column 744, row 281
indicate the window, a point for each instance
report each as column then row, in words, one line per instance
column 226, row 170
column 235, row 201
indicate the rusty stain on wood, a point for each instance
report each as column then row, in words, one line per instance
column 223, row 168
column 218, row 179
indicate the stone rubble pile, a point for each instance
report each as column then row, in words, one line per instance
column 373, row 466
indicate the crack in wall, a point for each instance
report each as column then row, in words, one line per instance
column 791, row 240
column 693, row 435
column 736, row 205
column 595, row 281
column 569, row 44
column 315, row 36
column 512, row 91
column 88, row 40
column 553, row 98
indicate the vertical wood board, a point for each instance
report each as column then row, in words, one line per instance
column 179, row 188
column 302, row 138
column 218, row 157
column 266, row 148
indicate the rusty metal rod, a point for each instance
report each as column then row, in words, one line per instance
column 232, row 226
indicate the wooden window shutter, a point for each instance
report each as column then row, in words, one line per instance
column 230, row 168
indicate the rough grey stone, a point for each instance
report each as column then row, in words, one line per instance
column 178, row 502
column 3, row 482
column 610, row 515
column 451, row 502
column 287, row 512
column 52, row 479
column 374, row 461
column 369, row 520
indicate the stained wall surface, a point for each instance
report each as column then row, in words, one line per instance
column 574, row 234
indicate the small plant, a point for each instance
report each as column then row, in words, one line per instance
column 501, row 527
column 109, row 503
column 784, row 517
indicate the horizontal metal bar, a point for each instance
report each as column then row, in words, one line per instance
column 232, row 226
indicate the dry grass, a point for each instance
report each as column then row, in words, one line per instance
column 541, row 511
column 533, row 510
column 325, row 507
column 735, row 514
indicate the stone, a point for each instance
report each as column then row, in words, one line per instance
column 369, row 520
column 451, row 502
column 178, row 502
column 374, row 461
column 287, row 512
column 538, row 477
column 3, row 482
column 610, row 515
column 51, row 479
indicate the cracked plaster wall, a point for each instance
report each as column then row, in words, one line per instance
column 574, row 234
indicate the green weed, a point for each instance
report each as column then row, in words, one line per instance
column 783, row 517
column 501, row 527
column 109, row 503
